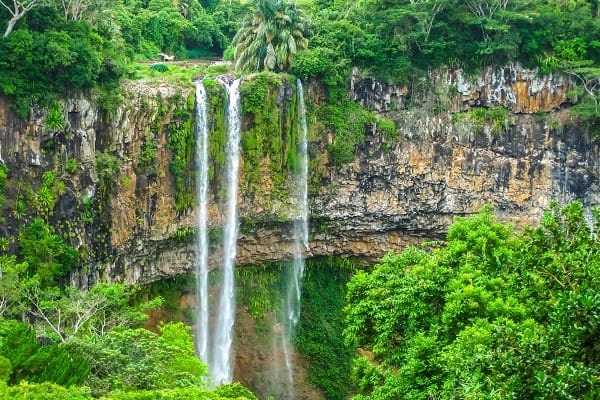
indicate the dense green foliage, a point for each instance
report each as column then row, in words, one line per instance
column 61, row 342
column 53, row 56
column 319, row 333
column 60, row 47
column 49, row 391
column 490, row 314
column 57, row 47
column 398, row 38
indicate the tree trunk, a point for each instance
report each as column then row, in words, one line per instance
column 10, row 26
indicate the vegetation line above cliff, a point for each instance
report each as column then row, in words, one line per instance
column 53, row 48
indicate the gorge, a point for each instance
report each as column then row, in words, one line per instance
column 505, row 138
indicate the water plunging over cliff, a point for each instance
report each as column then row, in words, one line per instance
column 220, row 367
column 202, row 257
column 295, row 272
column 301, row 223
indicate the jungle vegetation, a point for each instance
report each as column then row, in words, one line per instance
column 490, row 313
column 51, row 48
column 61, row 342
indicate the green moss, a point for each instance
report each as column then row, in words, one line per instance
column 182, row 144
column 270, row 135
column 217, row 138
column 347, row 120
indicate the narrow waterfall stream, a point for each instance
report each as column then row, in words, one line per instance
column 220, row 366
column 295, row 272
column 202, row 249
column 301, row 223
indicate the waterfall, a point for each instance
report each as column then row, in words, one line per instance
column 201, row 132
column 220, row 364
column 294, row 276
column 301, row 223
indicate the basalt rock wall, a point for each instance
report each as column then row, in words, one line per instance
column 447, row 159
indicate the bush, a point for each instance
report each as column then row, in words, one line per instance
column 159, row 67
column 5, row 369
column 348, row 122
column 321, row 63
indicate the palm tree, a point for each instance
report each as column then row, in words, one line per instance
column 270, row 37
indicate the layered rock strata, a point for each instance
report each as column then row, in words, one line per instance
column 444, row 162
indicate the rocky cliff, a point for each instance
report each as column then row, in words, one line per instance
column 505, row 138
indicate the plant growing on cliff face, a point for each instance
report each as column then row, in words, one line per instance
column 44, row 199
column 270, row 38
column 147, row 157
column 47, row 257
column 348, row 122
column 70, row 165
column 473, row 121
column 55, row 120
column 181, row 142
column 107, row 166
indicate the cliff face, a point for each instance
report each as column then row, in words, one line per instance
column 455, row 150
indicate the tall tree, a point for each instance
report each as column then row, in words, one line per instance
column 270, row 38
column 17, row 10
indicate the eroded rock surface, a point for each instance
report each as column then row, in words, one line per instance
column 395, row 193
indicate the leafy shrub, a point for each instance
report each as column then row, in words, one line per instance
column 5, row 369
column 159, row 67
column 348, row 122
column 43, row 391
column 47, row 256
column 137, row 359
column 387, row 127
column 321, row 63
column 55, row 120
column 107, row 166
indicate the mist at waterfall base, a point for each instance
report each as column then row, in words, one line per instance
column 275, row 374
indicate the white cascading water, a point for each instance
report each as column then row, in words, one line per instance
column 202, row 257
column 219, row 365
column 294, row 277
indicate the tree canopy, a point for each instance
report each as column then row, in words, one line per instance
column 490, row 314
column 270, row 37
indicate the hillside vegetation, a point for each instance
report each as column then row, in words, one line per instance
column 488, row 314
column 54, row 47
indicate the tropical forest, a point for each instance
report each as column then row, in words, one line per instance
column 299, row 199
